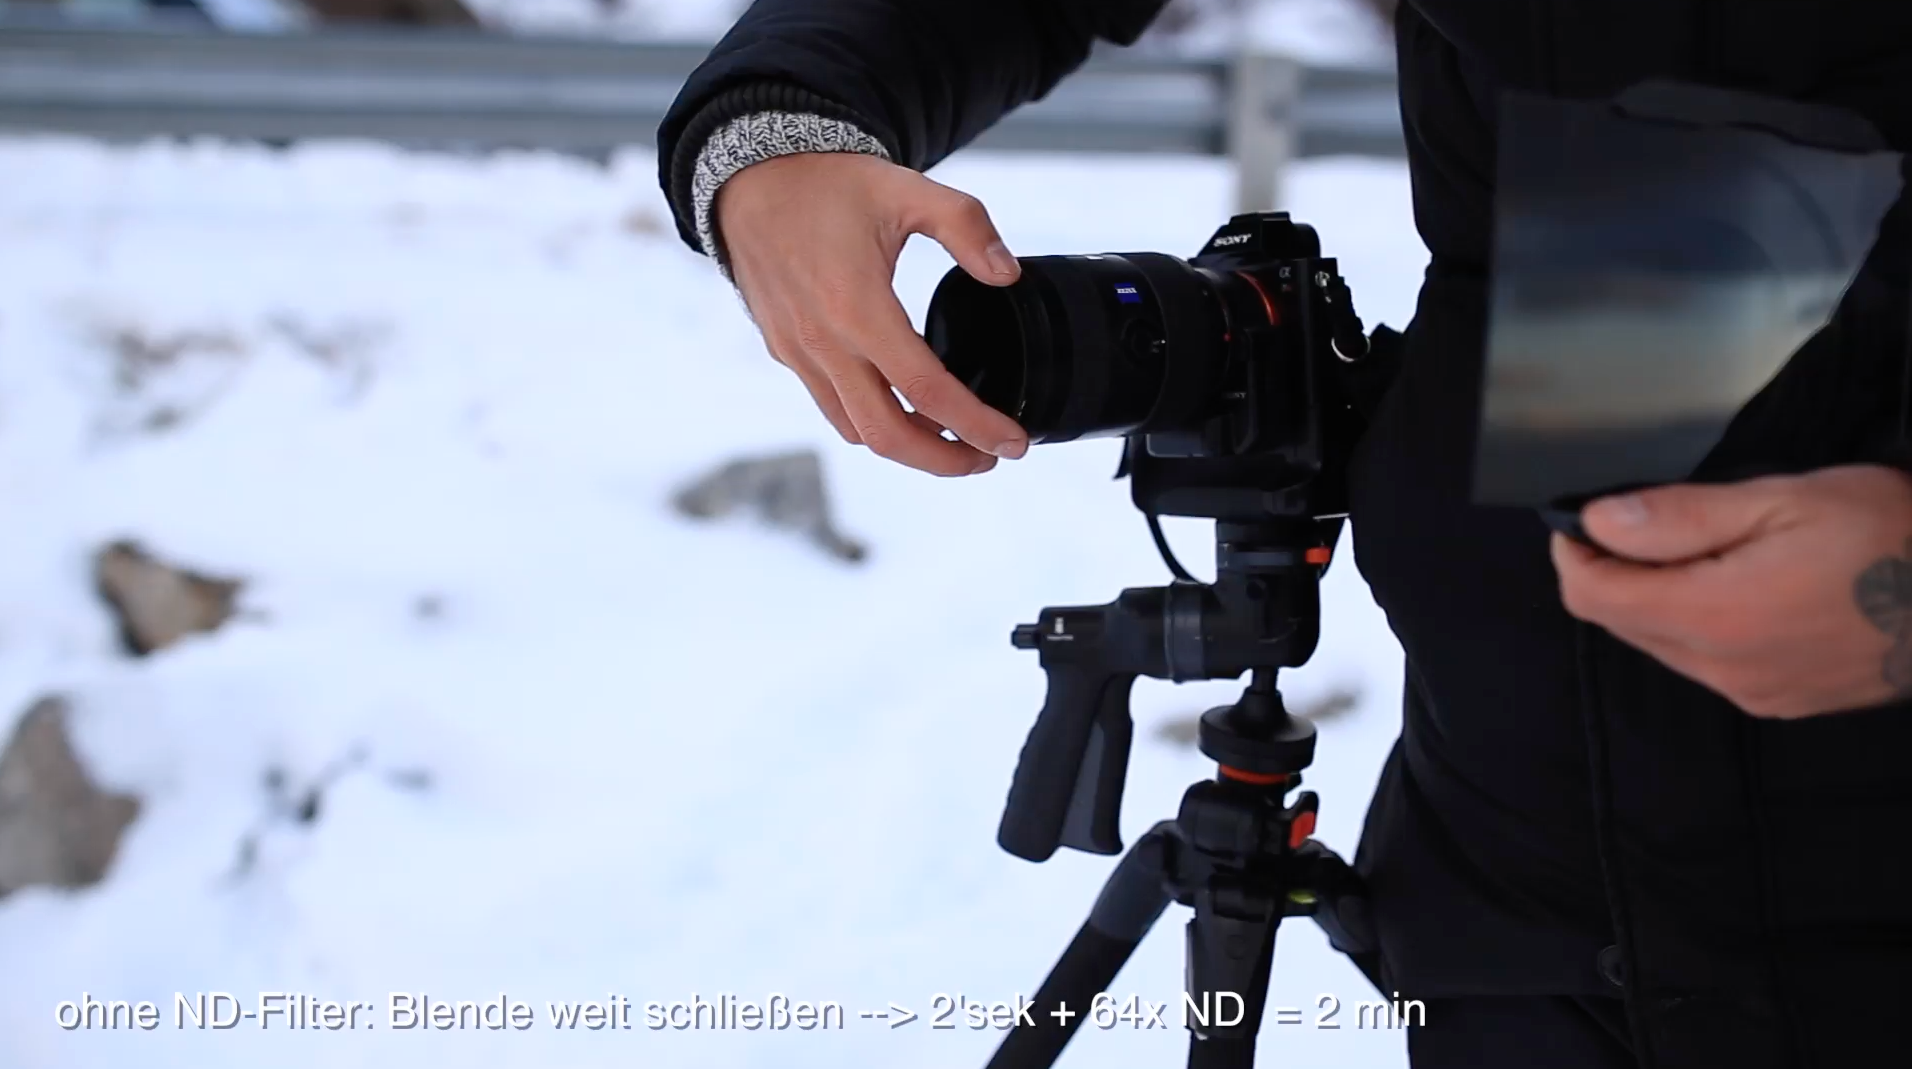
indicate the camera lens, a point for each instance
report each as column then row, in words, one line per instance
column 983, row 336
column 1087, row 346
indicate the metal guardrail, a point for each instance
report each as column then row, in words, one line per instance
column 476, row 90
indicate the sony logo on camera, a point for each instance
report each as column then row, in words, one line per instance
column 1225, row 241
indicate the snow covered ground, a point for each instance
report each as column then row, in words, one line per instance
column 434, row 414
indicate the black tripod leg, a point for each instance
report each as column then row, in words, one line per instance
column 1231, row 949
column 1221, row 1053
column 1131, row 901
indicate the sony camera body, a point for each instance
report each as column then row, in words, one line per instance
column 1231, row 374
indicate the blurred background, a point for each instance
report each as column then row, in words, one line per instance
column 416, row 577
column 1343, row 26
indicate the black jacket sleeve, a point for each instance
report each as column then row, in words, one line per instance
column 924, row 77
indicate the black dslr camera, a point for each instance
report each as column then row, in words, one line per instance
column 1238, row 380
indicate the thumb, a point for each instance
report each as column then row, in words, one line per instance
column 961, row 224
column 1673, row 524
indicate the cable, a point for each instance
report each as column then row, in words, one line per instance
column 1168, row 555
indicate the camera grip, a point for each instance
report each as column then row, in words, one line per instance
column 1067, row 788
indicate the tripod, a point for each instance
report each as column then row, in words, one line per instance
column 1237, row 852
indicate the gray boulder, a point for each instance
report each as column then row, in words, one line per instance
column 157, row 604
column 784, row 491
column 57, row 827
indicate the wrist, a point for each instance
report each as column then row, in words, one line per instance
column 682, row 149
column 751, row 139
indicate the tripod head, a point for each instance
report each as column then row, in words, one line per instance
column 1238, row 852
column 1261, row 614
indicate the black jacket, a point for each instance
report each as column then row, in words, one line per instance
column 1556, row 799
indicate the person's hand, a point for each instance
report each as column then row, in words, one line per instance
column 812, row 241
column 1791, row 596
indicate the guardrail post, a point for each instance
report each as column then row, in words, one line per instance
column 1263, row 116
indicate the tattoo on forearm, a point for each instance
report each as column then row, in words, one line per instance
column 1884, row 594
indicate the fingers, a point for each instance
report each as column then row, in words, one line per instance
column 884, row 335
column 1671, row 524
column 856, row 395
column 864, row 392
column 1664, row 609
column 960, row 224
column 941, row 431
column 821, row 391
column 1604, row 589
column 813, row 243
column 886, row 429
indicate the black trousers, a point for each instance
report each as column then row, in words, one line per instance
column 1537, row 1032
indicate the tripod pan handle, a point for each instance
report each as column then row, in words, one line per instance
column 1067, row 789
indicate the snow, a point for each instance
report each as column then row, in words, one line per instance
column 625, row 754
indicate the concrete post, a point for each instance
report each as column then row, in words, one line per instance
column 1263, row 120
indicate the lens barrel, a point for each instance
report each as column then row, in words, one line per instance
column 1089, row 346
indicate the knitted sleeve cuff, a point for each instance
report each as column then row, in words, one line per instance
column 754, row 138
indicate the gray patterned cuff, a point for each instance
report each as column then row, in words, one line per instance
column 758, row 137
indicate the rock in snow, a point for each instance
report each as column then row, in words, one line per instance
column 57, row 828
column 156, row 603
column 784, row 491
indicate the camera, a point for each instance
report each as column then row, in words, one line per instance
column 1237, row 362
column 1237, row 380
